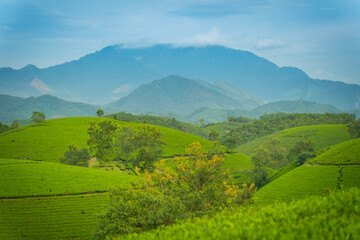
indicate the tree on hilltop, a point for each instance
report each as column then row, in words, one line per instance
column 100, row 112
column 38, row 117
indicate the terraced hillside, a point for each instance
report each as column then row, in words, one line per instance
column 337, row 167
column 49, row 141
column 42, row 200
column 322, row 135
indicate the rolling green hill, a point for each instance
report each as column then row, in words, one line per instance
column 322, row 135
column 49, row 141
column 335, row 168
column 23, row 178
column 335, row 216
column 42, row 200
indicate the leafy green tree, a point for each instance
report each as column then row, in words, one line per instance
column 100, row 112
column 271, row 154
column 149, row 144
column 213, row 135
column 354, row 128
column 101, row 140
column 202, row 122
column 3, row 127
column 38, row 117
column 302, row 157
column 125, row 142
column 74, row 156
column 196, row 186
column 259, row 176
column 15, row 124
column 304, row 145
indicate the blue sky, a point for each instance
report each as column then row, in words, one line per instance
column 321, row 37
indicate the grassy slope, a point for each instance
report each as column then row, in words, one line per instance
column 50, row 140
column 316, row 175
column 343, row 153
column 322, row 135
column 32, row 178
column 50, row 217
column 336, row 216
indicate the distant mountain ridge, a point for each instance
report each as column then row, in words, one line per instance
column 175, row 94
column 290, row 106
column 115, row 71
column 12, row 108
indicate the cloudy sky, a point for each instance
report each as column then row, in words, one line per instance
column 321, row 37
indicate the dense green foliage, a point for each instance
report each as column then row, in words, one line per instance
column 269, row 125
column 4, row 128
column 334, row 216
column 354, row 128
column 160, row 121
column 48, row 142
column 76, row 157
column 21, row 178
column 196, row 186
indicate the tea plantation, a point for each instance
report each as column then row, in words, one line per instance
column 322, row 135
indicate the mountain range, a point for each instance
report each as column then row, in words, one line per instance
column 16, row 108
column 178, row 95
column 115, row 71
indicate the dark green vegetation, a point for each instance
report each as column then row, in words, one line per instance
column 49, row 140
column 160, row 121
column 334, row 216
column 181, row 96
column 322, row 173
column 12, row 108
column 125, row 69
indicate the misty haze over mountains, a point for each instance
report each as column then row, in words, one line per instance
column 115, row 72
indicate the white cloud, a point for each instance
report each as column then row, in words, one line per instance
column 212, row 37
column 268, row 43
column 122, row 89
column 40, row 86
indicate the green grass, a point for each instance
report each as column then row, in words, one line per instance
column 343, row 153
column 21, row 178
column 299, row 183
column 336, row 216
column 49, row 141
column 350, row 176
column 238, row 161
column 62, row 217
column 322, row 135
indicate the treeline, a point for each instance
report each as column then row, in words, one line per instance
column 270, row 123
column 160, row 121
column 4, row 128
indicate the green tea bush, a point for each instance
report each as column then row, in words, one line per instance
column 334, row 216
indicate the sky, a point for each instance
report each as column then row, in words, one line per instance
column 321, row 37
